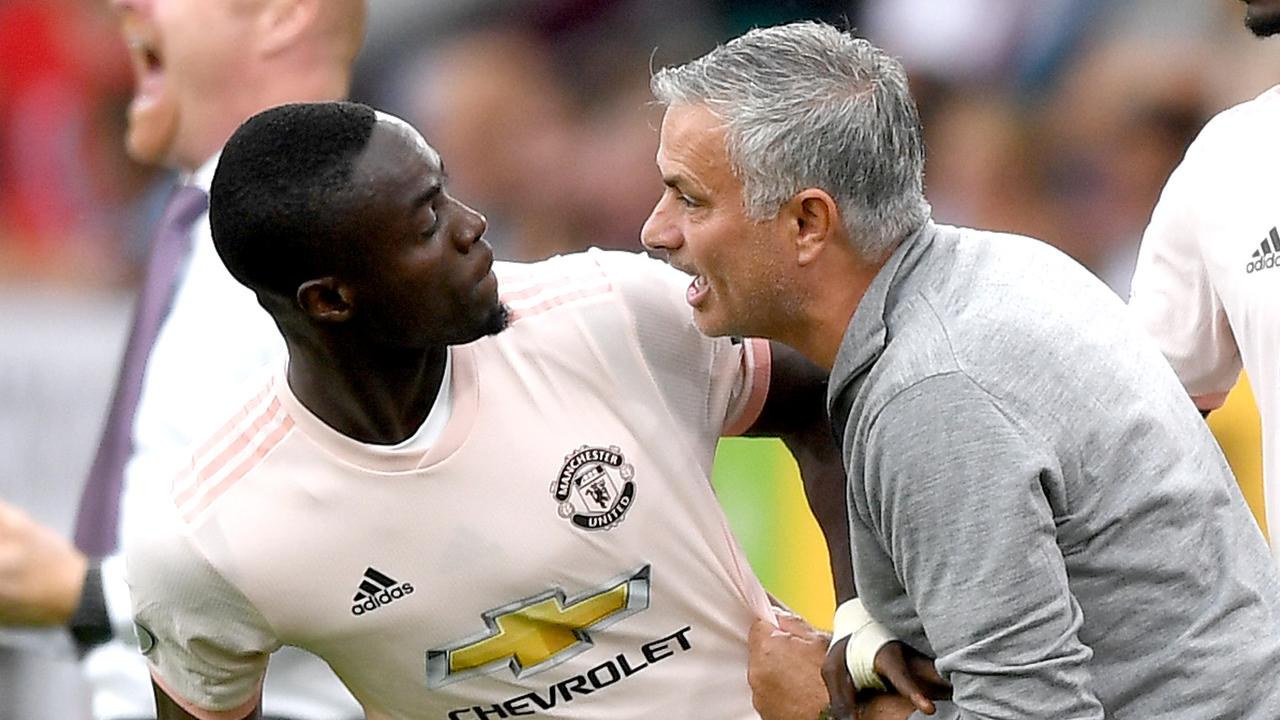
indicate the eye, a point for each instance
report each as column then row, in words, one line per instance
column 431, row 229
column 682, row 198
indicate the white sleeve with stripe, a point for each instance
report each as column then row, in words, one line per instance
column 1173, row 296
column 206, row 644
column 721, row 382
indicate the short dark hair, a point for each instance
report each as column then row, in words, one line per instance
column 281, row 194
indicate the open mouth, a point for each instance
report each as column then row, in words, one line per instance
column 148, row 69
column 698, row 288
column 697, row 291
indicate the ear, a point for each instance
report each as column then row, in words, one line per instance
column 282, row 21
column 326, row 300
column 814, row 217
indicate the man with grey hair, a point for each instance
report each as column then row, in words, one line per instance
column 1032, row 498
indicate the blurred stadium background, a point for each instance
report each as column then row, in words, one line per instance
column 1056, row 118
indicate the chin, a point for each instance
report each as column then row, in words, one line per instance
column 495, row 321
column 143, row 151
column 712, row 326
column 148, row 145
column 499, row 319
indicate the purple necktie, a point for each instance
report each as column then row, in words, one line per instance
column 97, row 522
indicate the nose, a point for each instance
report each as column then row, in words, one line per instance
column 659, row 232
column 119, row 6
column 473, row 225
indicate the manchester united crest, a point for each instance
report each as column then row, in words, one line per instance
column 595, row 487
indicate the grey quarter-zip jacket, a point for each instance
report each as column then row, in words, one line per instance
column 1035, row 501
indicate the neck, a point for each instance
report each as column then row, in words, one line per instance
column 380, row 397
column 827, row 316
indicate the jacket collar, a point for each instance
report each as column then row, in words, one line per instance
column 865, row 337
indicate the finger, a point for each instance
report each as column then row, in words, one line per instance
column 892, row 666
column 840, row 689
column 760, row 631
column 923, row 669
column 794, row 624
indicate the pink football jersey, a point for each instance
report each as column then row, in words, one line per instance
column 558, row 551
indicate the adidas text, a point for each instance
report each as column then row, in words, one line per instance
column 1264, row 258
column 1265, row 263
column 377, row 600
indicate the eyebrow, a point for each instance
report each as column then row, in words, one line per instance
column 429, row 194
column 682, row 184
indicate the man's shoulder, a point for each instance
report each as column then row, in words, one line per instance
column 1241, row 128
column 529, row 289
column 233, row 449
column 988, row 301
column 593, row 267
column 972, row 284
column 609, row 286
column 591, row 260
column 1261, row 110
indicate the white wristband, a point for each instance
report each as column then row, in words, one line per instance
column 866, row 637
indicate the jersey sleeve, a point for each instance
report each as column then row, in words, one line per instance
column 720, row 382
column 1173, row 297
column 207, row 646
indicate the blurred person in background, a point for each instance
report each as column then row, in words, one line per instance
column 1111, row 130
column 1207, row 283
column 201, row 68
column 544, row 107
column 70, row 200
column 495, row 105
column 983, row 169
column 542, row 110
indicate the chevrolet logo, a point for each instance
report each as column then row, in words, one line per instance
column 539, row 632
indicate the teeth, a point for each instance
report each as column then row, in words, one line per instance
column 699, row 282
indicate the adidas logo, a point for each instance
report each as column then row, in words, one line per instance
column 1264, row 258
column 377, row 590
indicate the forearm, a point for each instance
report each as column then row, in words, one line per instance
column 824, row 480
column 994, row 603
column 796, row 413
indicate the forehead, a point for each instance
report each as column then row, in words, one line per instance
column 406, row 133
column 398, row 153
column 692, row 142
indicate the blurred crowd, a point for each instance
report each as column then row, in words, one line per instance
column 1056, row 118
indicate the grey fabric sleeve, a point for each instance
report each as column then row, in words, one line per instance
column 962, row 500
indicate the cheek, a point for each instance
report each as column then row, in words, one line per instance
column 200, row 42
column 712, row 242
column 751, row 259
